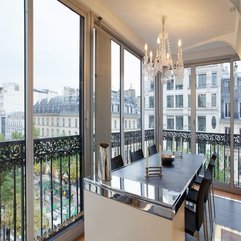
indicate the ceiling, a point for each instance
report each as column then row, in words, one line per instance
column 204, row 26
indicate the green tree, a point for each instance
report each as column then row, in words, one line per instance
column 17, row 135
column 36, row 133
column 2, row 137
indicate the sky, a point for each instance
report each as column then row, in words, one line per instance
column 131, row 69
column 56, row 44
column 56, row 48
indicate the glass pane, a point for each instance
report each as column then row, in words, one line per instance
column 12, row 71
column 115, row 98
column 12, row 120
column 132, row 103
column 176, row 112
column 213, row 116
column 57, row 105
column 237, row 123
column 149, row 109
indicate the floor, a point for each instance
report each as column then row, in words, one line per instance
column 223, row 218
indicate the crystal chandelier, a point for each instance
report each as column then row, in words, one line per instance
column 163, row 62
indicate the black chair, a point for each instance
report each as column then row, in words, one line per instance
column 211, row 165
column 192, row 195
column 136, row 155
column 195, row 219
column 117, row 162
column 152, row 149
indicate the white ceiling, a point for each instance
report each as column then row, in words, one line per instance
column 202, row 25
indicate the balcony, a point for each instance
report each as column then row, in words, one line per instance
column 57, row 187
column 58, row 176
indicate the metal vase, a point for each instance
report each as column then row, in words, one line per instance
column 104, row 162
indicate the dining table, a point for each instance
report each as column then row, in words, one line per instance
column 134, row 206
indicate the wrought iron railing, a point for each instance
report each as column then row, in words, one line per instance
column 58, row 176
column 206, row 143
column 57, row 186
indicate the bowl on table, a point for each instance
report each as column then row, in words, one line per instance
column 167, row 159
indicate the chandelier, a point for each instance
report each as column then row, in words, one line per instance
column 163, row 62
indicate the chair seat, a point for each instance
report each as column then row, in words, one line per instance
column 198, row 180
column 190, row 222
column 192, row 195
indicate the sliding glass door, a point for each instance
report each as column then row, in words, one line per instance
column 58, row 115
column 126, row 101
column 54, row 116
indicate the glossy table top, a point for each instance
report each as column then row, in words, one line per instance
column 160, row 195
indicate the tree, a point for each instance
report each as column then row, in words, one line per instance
column 17, row 135
column 2, row 137
column 36, row 133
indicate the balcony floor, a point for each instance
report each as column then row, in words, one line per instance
column 228, row 213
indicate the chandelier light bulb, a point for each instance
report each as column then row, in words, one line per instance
column 158, row 40
column 151, row 56
column 179, row 43
column 146, row 48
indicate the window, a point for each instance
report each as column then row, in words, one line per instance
column 170, row 101
column 63, row 122
column 170, row 122
column 201, row 123
column 179, row 122
column 170, row 84
column 152, row 86
column 57, row 121
column 202, row 79
column 227, row 130
column 189, row 81
column 151, row 121
column 239, row 110
column 179, row 86
column 214, row 100
column 47, row 132
column 227, row 110
column 38, row 121
column 125, row 123
column 226, row 86
column 47, row 121
column 151, row 101
column 134, row 124
column 214, row 78
column 179, row 101
column 69, row 122
column 115, row 124
column 202, row 100
column 189, row 123
column 129, row 124
column 214, row 122
column 76, row 122
column 42, row 132
column 115, row 108
column 189, row 101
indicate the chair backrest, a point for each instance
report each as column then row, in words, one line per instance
column 202, row 193
column 117, row 162
column 211, row 164
column 152, row 149
column 136, row 155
